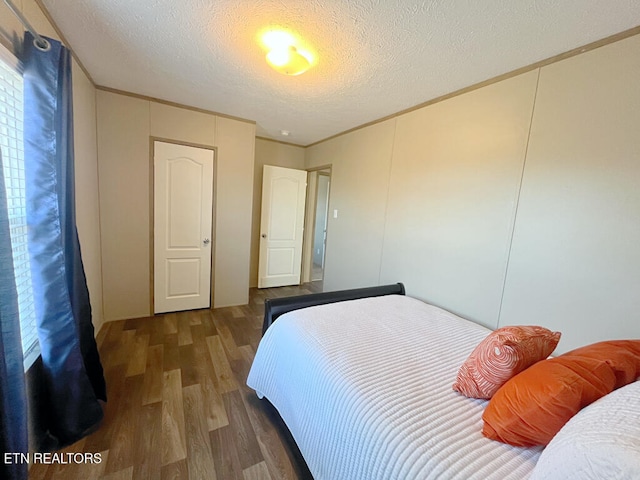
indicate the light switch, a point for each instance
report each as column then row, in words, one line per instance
column 335, row 213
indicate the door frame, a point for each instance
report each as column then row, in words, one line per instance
column 321, row 173
column 307, row 241
column 153, row 139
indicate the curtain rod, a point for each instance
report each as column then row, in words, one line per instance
column 40, row 42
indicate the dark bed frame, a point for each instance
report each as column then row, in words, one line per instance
column 274, row 307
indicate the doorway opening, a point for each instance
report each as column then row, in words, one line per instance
column 315, row 249
column 320, row 227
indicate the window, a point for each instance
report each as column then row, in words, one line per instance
column 11, row 144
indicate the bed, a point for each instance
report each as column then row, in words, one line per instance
column 364, row 386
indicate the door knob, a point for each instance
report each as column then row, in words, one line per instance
column 206, row 241
column 264, row 235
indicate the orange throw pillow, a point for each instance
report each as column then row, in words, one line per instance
column 623, row 356
column 501, row 355
column 534, row 405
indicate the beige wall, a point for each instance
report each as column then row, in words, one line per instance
column 234, row 205
column 125, row 126
column 575, row 261
column 279, row 155
column 360, row 165
column 455, row 174
column 87, row 188
column 86, row 166
column 432, row 198
column 123, row 162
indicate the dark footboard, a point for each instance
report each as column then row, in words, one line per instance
column 274, row 307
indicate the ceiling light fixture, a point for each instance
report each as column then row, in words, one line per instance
column 284, row 57
column 288, row 61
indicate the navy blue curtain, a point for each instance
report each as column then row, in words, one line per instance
column 13, row 404
column 73, row 376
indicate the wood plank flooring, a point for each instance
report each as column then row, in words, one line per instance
column 179, row 407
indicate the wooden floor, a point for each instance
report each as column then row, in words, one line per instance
column 179, row 407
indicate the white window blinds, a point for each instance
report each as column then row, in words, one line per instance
column 11, row 144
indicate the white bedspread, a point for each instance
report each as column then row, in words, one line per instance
column 365, row 388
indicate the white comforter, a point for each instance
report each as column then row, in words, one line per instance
column 365, row 388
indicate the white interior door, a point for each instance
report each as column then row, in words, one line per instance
column 281, row 227
column 183, row 201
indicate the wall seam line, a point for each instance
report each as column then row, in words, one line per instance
column 102, row 305
column 517, row 205
column 386, row 205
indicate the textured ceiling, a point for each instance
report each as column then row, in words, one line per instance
column 374, row 58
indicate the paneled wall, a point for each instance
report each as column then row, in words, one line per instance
column 575, row 260
column 234, row 204
column 514, row 203
column 360, row 165
column 87, row 188
column 123, row 152
column 125, row 126
column 455, row 173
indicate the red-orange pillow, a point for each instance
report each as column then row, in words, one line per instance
column 623, row 356
column 534, row 405
column 501, row 355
